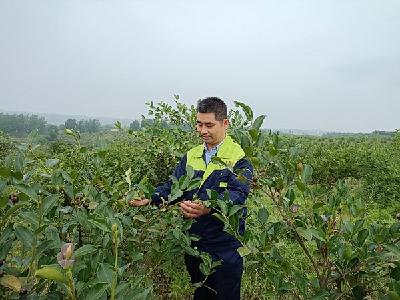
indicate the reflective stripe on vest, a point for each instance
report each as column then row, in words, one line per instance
column 229, row 152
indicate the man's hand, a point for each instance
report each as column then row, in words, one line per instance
column 139, row 202
column 192, row 209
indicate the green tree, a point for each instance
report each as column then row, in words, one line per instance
column 21, row 125
column 71, row 124
column 52, row 131
column 135, row 125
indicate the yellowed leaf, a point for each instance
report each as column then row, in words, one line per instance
column 11, row 282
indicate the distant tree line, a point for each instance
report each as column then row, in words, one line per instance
column 20, row 125
column 91, row 125
column 379, row 133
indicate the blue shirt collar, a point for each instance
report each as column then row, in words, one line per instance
column 208, row 154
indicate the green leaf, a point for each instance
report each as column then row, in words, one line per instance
column 255, row 161
column 69, row 131
column 31, row 218
column 194, row 184
column 17, row 175
column 66, row 176
column 395, row 273
column 318, row 234
column 43, row 246
column 101, row 224
column 5, row 249
column 393, row 295
column 138, row 294
column 5, row 172
column 318, row 205
column 3, row 185
column 307, row 173
column 48, row 203
column 97, row 291
column 11, row 211
column 128, row 174
column 362, row 236
column 223, row 206
column 52, row 162
column 189, row 171
column 175, row 194
column 140, row 218
column 300, row 185
column 105, row 273
column 358, row 225
column 290, row 195
column 3, row 201
column 24, row 235
column 347, row 252
column 301, row 282
column 393, row 249
column 305, row 233
column 218, row 161
column 122, row 289
column 263, row 215
column 136, row 256
column 69, row 190
column 254, row 134
column 234, row 209
column 348, row 226
column 184, row 182
column 243, row 251
column 51, row 273
column 83, row 149
column 118, row 125
column 258, row 122
column 27, row 190
column 321, row 295
column 84, row 250
column 286, row 286
column 246, row 109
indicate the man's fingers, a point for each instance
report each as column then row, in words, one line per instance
column 190, row 209
column 192, row 216
column 192, row 205
column 190, row 212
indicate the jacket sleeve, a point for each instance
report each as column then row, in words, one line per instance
column 238, row 185
column 162, row 191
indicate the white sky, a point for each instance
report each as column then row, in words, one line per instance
column 329, row 65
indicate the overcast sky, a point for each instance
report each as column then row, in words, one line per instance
column 329, row 65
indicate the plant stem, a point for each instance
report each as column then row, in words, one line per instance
column 71, row 286
column 297, row 236
column 115, row 275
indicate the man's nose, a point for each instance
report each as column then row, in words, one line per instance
column 203, row 130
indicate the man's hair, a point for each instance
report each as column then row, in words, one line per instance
column 213, row 105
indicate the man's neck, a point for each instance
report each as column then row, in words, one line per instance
column 211, row 146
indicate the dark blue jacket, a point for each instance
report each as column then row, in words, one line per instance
column 208, row 228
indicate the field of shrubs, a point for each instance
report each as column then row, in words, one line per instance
column 323, row 219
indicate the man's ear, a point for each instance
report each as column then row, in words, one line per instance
column 226, row 123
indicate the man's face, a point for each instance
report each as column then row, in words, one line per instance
column 211, row 131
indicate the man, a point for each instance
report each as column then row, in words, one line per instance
column 212, row 124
